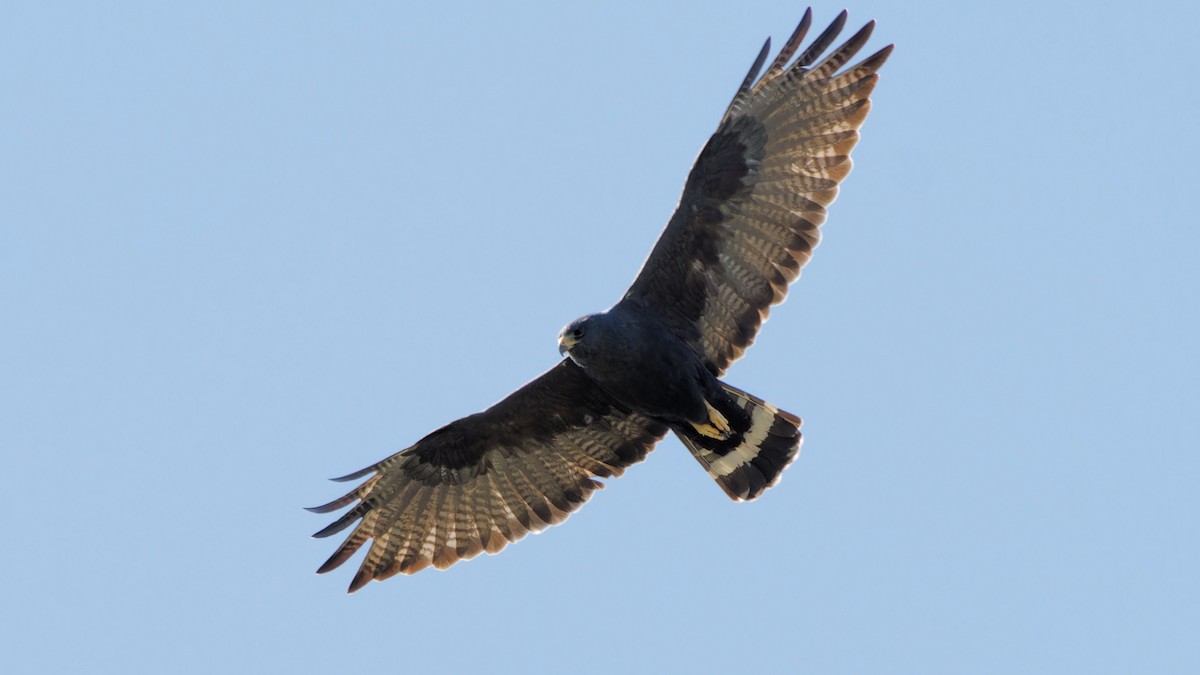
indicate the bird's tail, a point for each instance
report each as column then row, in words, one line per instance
column 762, row 442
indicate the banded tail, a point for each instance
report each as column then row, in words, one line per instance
column 763, row 442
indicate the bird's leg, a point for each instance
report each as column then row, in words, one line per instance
column 716, row 427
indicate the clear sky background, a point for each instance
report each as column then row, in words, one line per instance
column 244, row 248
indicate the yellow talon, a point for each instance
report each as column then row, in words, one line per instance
column 716, row 427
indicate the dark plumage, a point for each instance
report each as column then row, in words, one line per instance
column 745, row 225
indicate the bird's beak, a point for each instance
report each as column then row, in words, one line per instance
column 565, row 342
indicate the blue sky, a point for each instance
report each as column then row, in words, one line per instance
column 243, row 249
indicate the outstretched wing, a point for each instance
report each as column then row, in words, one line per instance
column 748, row 218
column 489, row 479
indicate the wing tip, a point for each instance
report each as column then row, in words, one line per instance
column 361, row 578
column 883, row 53
column 356, row 475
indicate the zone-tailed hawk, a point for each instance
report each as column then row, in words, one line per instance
column 746, row 223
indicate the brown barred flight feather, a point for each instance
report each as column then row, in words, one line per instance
column 487, row 480
column 787, row 138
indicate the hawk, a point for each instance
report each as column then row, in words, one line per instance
column 746, row 223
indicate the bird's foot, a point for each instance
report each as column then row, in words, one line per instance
column 716, row 427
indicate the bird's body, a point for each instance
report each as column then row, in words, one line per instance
column 746, row 224
column 638, row 360
column 641, row 363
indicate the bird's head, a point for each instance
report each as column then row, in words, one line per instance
column 572, row 334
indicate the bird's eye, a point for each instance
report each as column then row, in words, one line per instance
column 577, row 333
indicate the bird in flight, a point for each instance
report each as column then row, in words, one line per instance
column 746, row 223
